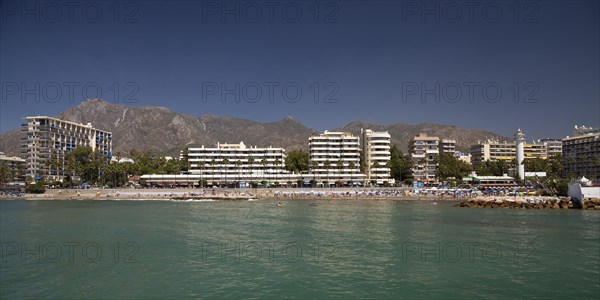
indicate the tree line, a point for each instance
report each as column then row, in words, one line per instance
column 85, row 165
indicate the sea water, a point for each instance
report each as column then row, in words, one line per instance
column 257, row 249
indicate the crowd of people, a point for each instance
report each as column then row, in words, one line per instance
column 11, row 194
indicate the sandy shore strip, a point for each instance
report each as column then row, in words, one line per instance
column 232, row 194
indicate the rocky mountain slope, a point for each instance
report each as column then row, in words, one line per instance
column 402, row 133
column 166, row 132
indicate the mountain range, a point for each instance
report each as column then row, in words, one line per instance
column 165, row 132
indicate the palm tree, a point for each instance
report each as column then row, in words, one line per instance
column 351, row 166
column 277, row 163
column 388, row 165
column 213, row 162
column 238, row 164
column 327, row 164
column 47, row 164
column 5, row 173
column 56, row 165
column 251, row 165
column 263, row 162
column 340, row 166
column 314, row 167
column 224, row 164
column 113, row 170
column 375, row 166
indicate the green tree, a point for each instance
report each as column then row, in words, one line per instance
column 314, row 166
column 351, row 166
column 238, row 164
column 225, row 162
column 327, row 164
column 361, row 165
column 374, row 166
column 340, row 166
column 213, row 163
column 450, row 166
column 296, row 161
column 5, row 174
column 536, row 164
column 399, row 164
column 492, row 168
column 184, row 164
column 277, row 165
column 263, row 163
column 37, row 188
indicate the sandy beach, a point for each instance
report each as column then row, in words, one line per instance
column 231, row 194
column 286, row 194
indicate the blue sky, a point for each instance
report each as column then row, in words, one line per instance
column 378, row 61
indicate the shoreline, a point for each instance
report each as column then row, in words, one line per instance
column 316, row 195
column 398, row 194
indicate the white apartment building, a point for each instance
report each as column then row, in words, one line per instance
column 229, row 163
column 581, row 153
column 46, row 140
column 465, row 157
column 335, row 157
column 14, row 166
column 376, row 155
column 448, row 146
column 495, row 150
column 424, row 151
column 552, row 146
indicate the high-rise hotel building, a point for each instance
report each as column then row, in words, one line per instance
column 376, row 155
column 335, row 157
column 228, row 163
column 424, row 151
column 581, row 153
column 494, row 150
column 46, row 140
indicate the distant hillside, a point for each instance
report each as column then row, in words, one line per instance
column 403, row 133
column 166, row 132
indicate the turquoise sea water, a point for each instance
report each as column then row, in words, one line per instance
column 254, row 249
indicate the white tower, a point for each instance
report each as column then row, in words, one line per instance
column 520, row 143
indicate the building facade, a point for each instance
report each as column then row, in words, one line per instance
column 13, row 168
column 581, row 153
column 376, row 156
column 46, row 140
column 335, row 157
column 465, row 157
column 448, row 146
column 494, row 150
column 229, row 163
column 424, row 151
column 552, row 147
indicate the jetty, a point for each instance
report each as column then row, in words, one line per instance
column 531, row 203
